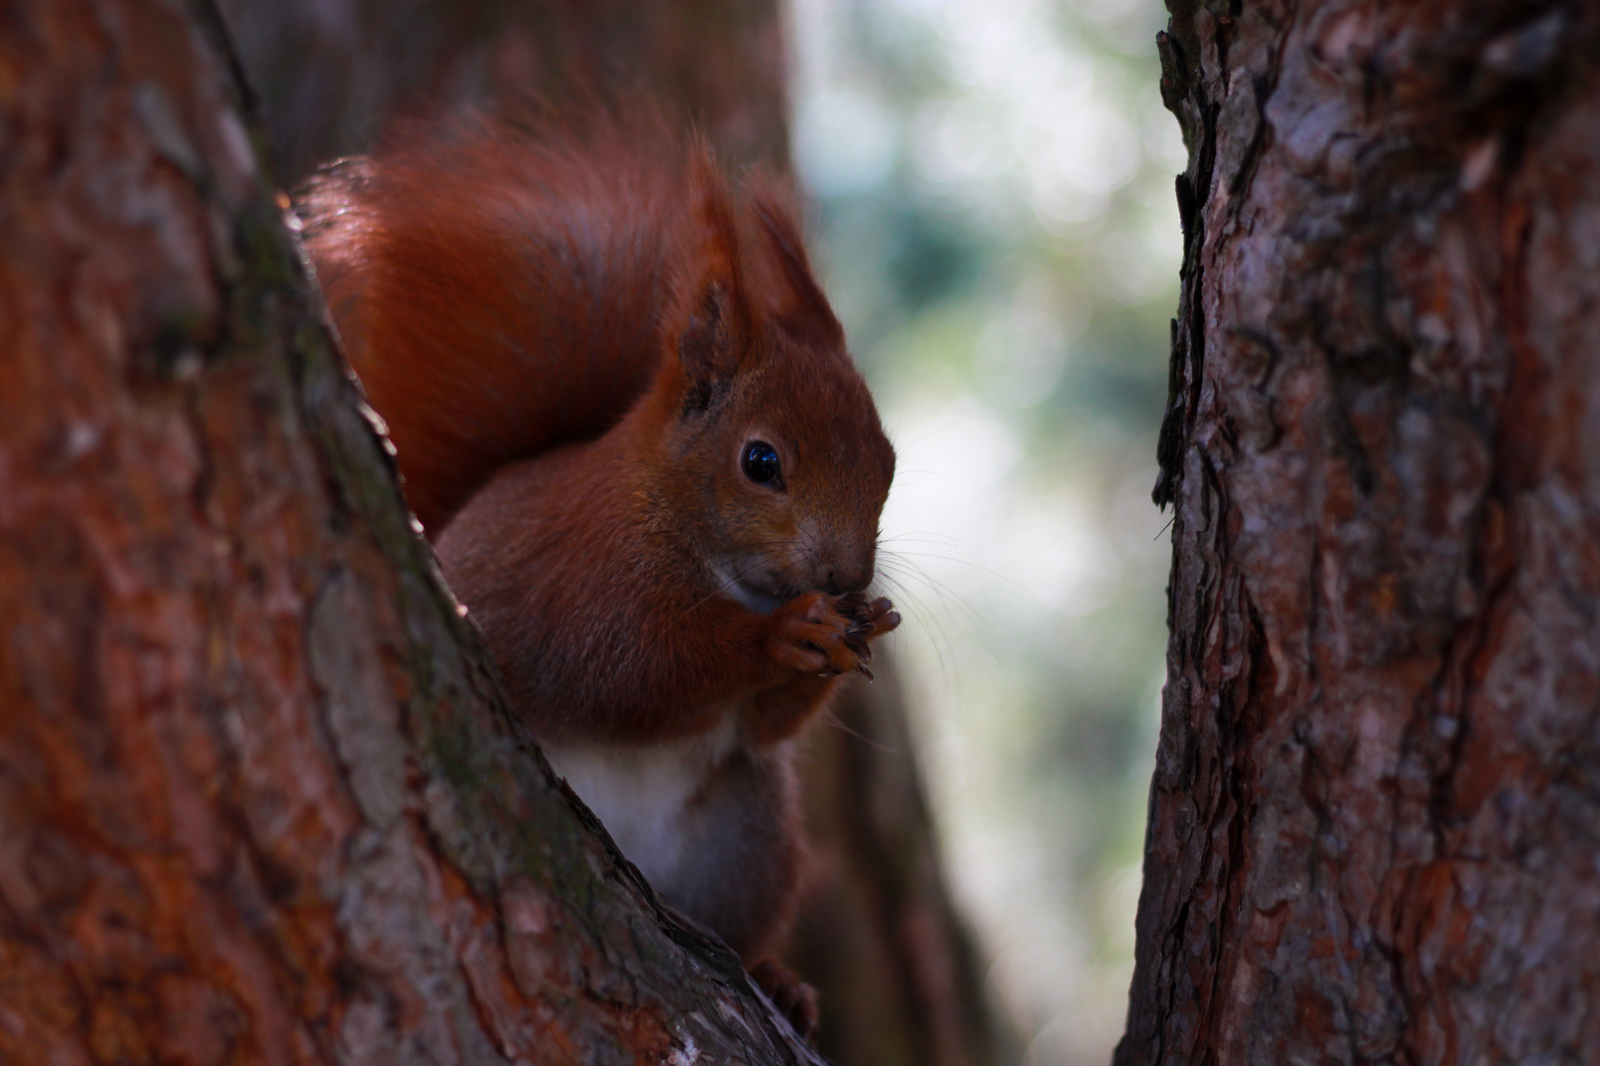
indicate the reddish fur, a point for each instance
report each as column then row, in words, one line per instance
column 572, row 339
column 464, row 270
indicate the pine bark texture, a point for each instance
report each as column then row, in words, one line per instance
column 1375, row 818
column 259, row 802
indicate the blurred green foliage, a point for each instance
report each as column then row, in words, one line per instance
column 993, row 181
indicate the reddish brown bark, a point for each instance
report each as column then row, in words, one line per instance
column 257, row 801
column 1375, row 820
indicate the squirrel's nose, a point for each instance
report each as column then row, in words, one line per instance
column 854, row 576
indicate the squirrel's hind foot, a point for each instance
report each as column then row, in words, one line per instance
column 792, row 996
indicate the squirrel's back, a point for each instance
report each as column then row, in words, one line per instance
column 500, row 293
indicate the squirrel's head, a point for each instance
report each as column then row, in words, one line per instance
column 764, row 418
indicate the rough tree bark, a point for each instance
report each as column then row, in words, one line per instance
column 1375, row 818
column 258, row 800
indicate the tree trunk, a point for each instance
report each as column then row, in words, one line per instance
column 334, row 72
column 1375, row 819
column 258, row 798
column 900, row 981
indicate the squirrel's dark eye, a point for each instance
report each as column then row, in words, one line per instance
column 761, row 463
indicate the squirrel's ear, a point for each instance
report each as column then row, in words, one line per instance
column 712, row 334
column 711, row 328
column 800, row 305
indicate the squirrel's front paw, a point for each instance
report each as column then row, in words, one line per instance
column 827, row 635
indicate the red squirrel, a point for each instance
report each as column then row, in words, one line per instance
column 626, row 417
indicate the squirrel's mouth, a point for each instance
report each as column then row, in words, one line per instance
column 749, row 589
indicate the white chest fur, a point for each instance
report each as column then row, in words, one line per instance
column 642, row 792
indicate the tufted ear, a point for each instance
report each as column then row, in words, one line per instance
column 799, row 305
column 710, row 323
column 712, row 333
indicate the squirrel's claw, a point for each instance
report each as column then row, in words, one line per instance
column 828, row 636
